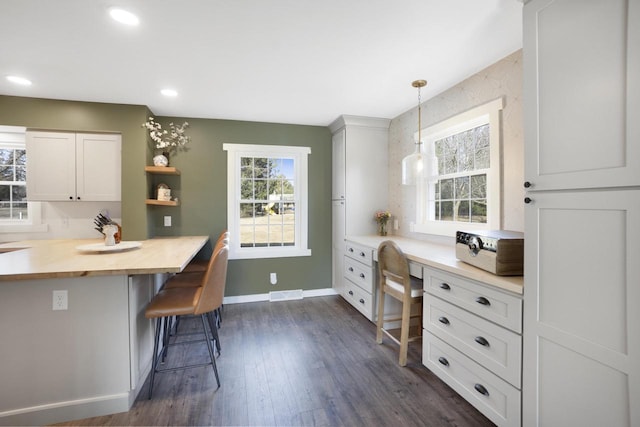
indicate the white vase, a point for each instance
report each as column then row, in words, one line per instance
column 160, row 160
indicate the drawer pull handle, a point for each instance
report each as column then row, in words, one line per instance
column 528, row 200
column 361, row 301
column 443, row 320
column 350, row 249
column 361, row 254
column 351, row 293
column 351, row 269
column 482, row 341
column 483, row 301
column 362, row 275
column 445, row 286
column 481, row 389
column 527, row 184
column 444, row 361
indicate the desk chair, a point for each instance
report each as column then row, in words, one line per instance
column 201, row 300
column 395, row 281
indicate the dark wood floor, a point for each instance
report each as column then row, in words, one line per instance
column 311, row 362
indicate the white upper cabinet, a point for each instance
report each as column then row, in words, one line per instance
column 69, row 166
column 338, row 157
column 582, row 86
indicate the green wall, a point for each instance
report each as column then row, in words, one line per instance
column 202, row 186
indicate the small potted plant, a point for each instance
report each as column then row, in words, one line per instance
column 382, row 217
column 167, row 142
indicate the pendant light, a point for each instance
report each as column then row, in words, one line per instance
column 412, row 164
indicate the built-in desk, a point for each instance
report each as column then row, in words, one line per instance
column 472, row 320
column 92, row 358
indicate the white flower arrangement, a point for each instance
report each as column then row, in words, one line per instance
column 168, row 141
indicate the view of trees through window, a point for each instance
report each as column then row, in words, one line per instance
column 267, row 202
column 460, row 184
column 13, row 184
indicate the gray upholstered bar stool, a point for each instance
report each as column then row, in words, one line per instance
column 397, row 282
column 199, row 301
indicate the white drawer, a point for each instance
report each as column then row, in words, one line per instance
column 358, row 298
column 359, row 273
column 483, row 300
column 364, row 254
column 492, row 346
column 494, row 397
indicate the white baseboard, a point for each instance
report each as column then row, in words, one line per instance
column 240, row 299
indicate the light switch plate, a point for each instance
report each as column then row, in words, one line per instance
column 167, row 221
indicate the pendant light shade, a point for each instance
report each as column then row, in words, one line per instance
column 413, row 164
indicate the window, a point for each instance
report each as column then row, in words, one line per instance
column 461, row 186
column 16, row 214
column 267, row 200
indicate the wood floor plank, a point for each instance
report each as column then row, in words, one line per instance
column 310, row 362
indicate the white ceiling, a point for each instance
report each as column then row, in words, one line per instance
column 284, row 61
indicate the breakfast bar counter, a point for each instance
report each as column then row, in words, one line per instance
column 90, row 354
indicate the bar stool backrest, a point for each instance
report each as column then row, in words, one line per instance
column 393, row 264
column 213, row 282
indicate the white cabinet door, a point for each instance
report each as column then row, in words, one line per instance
column 338, row 154
column 69, row 166
column 51, row 166
column 581, row 363
column 338, row 209
column 582, row 86
column 98, row 167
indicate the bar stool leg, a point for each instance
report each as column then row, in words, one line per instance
column 210, row 348
column 214, row 330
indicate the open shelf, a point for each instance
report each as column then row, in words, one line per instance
column 164, row 170
column 161, row 202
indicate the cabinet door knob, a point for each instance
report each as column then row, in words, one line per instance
column 481, row 389
column 362, row 275
column 351, row 269
column 70, row 197
column 351, row 293
column 361, row 254
column 444, row 361
column 445, row 286
column 443, row 320
column 361, row 301
column 482, row 341
column 483, row 301
column 527, row 184
column 350, row 249
column 527, row 200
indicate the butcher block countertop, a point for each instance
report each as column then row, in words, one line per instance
column 444, row 258
column 45, row 259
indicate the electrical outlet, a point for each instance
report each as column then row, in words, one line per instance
column 273, row 277
column 396, row 225
column 167, row 221
column 60, row 300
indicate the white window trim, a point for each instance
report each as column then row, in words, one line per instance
column 300, row 155
column 14, row 137
column 486, row 113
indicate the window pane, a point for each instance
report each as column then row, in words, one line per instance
column 5, row 210
column 5, row 191
column 446, row 211
column 482, row 136
column 261, row 167
column 19, row 193
column 482, row 158
column 21, row 173
column 275, row 189
column 246, row 189
column 479, row 211
column 261, row 235
column 260, row 188
column 479, row 186
column 246, row 167
column 463, row 211
column 6, row 173
column 446, row 189
column 275, row 235
column 465, row 151
column 247, row 211
column 462, row 187
column 6, row 156
column 21, row 157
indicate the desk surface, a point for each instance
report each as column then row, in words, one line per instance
column 45, row 259
column 444, row 258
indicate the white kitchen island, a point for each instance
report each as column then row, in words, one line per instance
column 92, row 358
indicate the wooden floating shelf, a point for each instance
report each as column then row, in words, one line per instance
column 161, row 202
column 164, row 170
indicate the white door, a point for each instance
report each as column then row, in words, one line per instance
column 582, row 86
column 51, row 166
column 581, row 363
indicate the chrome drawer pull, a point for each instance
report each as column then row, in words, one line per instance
column 443, row 320
column 351, row 293
column 444, row 361
column 480, row 389
column 483, row 301
column 361, row 301
column 445, row 286
column 482, row 341
column 351, row 269
column 362, row 275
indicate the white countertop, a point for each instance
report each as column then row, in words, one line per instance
column 443, row 257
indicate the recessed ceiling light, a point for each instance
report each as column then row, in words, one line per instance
column 169, row 92
column 124, row 17
column 19, row 80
